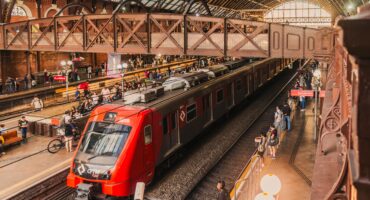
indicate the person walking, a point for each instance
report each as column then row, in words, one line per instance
column 37, row 103
column 2, row 141
column 23, row 125
column 222, row 193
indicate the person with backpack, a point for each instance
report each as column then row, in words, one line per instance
column 279, row 123
column 68, row 136
column 261, row 147
column 273, row 142
column 37, row 103
column 23, row 125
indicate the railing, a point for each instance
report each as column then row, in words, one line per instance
column 57, row 95
column 248, row 186
column 170, row 34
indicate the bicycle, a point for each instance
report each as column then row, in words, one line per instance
column 58, row 143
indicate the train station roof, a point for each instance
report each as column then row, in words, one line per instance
column 234, row 8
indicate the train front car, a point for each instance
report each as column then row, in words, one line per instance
column 115, row 152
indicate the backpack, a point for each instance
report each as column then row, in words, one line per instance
column 261, row 145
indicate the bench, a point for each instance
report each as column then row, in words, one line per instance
column 11, row 137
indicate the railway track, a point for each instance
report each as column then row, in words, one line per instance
column 51, row 187
column 232, row 162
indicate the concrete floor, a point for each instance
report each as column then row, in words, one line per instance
column 28, row 163
column 295, row 159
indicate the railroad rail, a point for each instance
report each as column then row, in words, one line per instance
column 233, row 161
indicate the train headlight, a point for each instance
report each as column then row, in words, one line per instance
column 106, row 175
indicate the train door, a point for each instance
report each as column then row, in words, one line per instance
column 207, row 110
column 230, row 95
column 148, row 149
column 174, row 129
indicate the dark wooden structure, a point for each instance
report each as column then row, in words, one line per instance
column 344, row 145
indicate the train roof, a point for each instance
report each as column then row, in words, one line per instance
column 177, row 96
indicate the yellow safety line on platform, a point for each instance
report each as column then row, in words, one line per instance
column 4, row 194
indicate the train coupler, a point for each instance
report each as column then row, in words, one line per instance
column 84, row 191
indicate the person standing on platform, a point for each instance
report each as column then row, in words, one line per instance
column 26, row 81
column 37, row 103
column 96, row 71
column 262, row 147
column 23, row 125
column 222, row 193
column 2, row 131
column 77, row 94
column 46, row 76
column 286, row 112
column 278, row 120
column 273, row 142
column 302, row 102
column 89, row 71
column 68, row 136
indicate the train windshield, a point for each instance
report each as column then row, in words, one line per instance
column 103, row 143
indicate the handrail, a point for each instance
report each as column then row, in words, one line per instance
column 250, row 164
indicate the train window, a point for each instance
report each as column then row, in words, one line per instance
column 220, row 96
column 103, row 142
column 148, row 134
column 165, row 125
column 191, row 112
column 238, row 84
column 173, row 120
column 110, row 116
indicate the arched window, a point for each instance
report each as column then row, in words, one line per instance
column 299, row 12
column 18, row 11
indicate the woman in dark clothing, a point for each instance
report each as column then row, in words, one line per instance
column 68, row 136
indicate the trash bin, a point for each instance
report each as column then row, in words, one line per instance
column 38, row 128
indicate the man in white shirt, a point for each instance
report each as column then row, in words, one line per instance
column 89, row 71
column 37, row 104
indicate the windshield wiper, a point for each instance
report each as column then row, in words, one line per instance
column 97, row 155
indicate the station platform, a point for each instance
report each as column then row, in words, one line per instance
column 25, row 164
column 295, row 160
column 28, row 163
column 19, row 102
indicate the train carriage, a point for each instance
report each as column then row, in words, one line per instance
column 123, row 144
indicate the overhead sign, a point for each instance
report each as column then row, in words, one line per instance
column 59, row 78
column 305, row 93
column 322, row 93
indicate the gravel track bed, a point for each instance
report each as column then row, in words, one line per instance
column 207, row 149
column 233, row 163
